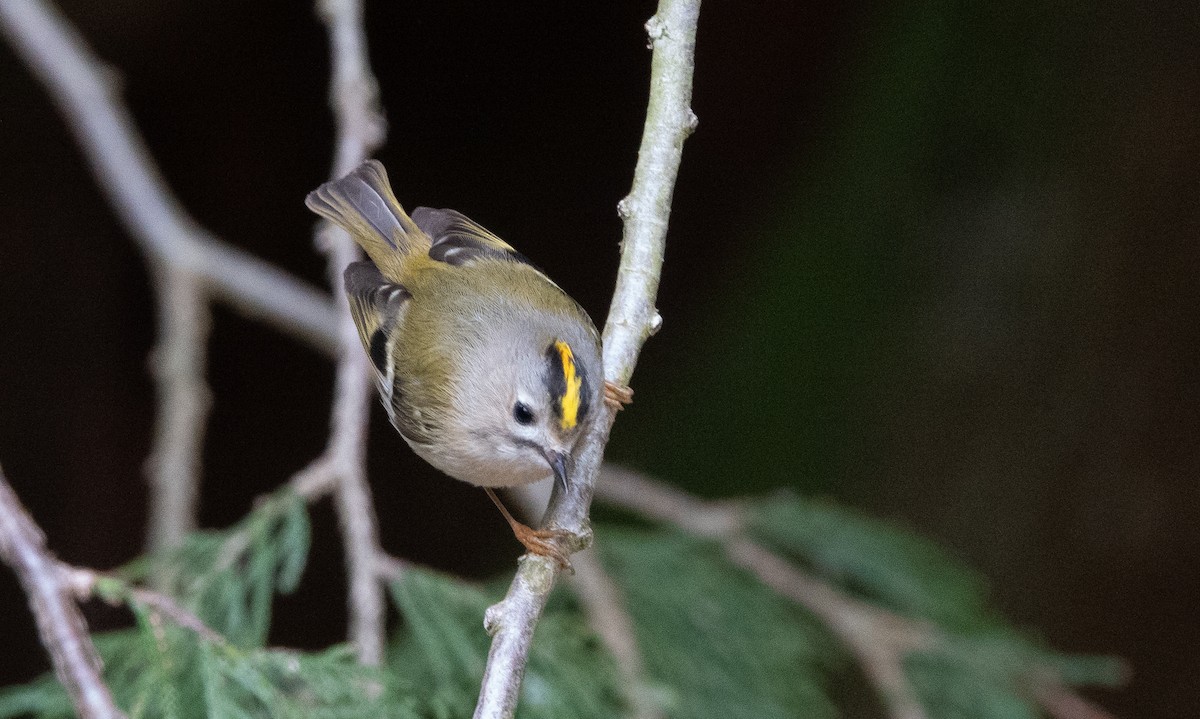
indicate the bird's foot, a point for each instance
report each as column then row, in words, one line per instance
column 617, row 396
column 537, row 541
column 543, row 542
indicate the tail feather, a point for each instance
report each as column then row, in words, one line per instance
column 362, row 203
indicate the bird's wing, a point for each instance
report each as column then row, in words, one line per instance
column 378, row 307
column 458, row 240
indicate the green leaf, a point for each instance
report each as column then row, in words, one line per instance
column 951, row 689
column 720, row 643
column 441, row 651
column 43, row 697
column 294, row 537
column 716, row 642
column 980, row 661
column 230, row 578
column 1081, row 670
column 877, row 560
column 169, row 673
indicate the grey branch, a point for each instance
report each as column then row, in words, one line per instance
column 632, row 319
column 360, row 130
column 178, row 364
column 85, row 92
column 192, row 264
column 86, row 583
column 189, row 264
column 880, row 640
column 1060, row 702
column 59, row 622
column 604, row 605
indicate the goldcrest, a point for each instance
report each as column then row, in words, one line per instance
column 487, row 369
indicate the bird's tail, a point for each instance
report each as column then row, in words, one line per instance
column 362, row 203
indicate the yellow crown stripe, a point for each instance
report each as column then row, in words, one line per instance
column 571, row 397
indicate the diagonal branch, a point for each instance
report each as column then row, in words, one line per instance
column 88, row 583
column 84, row 90
column 360, row 130
column 190, row 265
column 880, row 640
column 604, row 605
column 59, row 622
column 632, row 320
column 1060, row 702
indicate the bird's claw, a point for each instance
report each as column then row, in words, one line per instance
column 617, row 396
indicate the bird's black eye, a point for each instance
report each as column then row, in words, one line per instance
column 522, row 413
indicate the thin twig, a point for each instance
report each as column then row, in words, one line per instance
column 86, row 584
column 354, row 92
column 604, row 606
column 879, row 639
column 632, row 319
column 318, row 479
column 1060, row 702
column 360, row 130
column 390, row 568
column 356, row 512
column 85, row 92
column 183, row 401
column 659, row 501
column 60, row 625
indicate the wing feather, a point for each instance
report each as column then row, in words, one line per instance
column 379, row 307
column 457, row 239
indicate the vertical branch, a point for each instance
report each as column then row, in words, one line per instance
column 352, row 498
column 354, row 93
column 604, row 605
column 178, row 364
column 360, row 130
column 82, row 88
column 59, row 622
column 632, row 319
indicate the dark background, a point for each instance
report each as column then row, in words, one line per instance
column 935, row 259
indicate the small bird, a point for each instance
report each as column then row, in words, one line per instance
column 486, row 368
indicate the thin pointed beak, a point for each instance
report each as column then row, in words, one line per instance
column 559, row 463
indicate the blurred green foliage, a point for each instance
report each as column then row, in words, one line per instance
column 716, row 642
column 719, row 644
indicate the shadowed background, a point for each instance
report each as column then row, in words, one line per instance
column 936, row 261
